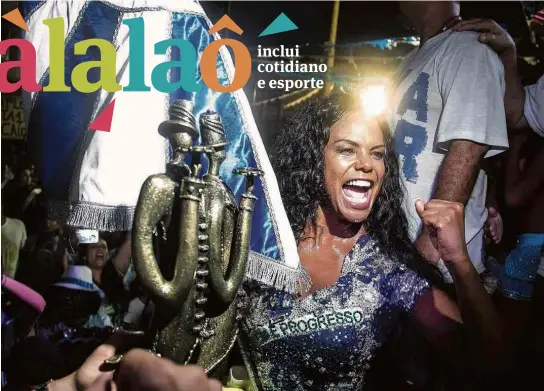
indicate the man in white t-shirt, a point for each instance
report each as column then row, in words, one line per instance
column 449, row 114
column 13, row 239
column 524, row 106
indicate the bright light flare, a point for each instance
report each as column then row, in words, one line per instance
column 373, row 99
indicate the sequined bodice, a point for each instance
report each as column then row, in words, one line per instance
column 326, row 340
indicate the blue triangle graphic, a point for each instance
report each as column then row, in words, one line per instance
column 280, row 25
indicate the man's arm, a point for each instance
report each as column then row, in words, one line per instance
column 499, row 40
column 459, row 171
column 123, row 256
column 455, row 182
column 514, row 97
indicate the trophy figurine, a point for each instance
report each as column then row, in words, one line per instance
column 194, row 291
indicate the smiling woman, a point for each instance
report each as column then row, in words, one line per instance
column 339, row 180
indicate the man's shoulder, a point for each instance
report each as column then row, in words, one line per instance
column 459, row 43
column 467, row 38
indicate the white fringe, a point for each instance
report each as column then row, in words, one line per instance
column 120, row 218
column 273, row 273
column 92, row 216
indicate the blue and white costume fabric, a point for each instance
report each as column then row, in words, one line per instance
column 92, row 179
column 326, row 340
column 521, row 266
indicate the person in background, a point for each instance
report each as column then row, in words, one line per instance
column 18, row 191
column 74, row 302
column 34, row 176
column 524, row 193
column 41, row 268
column 524, row 105
column 520, row 286
column 7, row 175
column 49, row 238
column 448, row 116
column 13, row 239
column 108, row 275
column 135, row 318
column 26, row 202
column 521, row 278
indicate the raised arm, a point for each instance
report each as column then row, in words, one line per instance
column 499, row 40
column 444, row 222
column 123, row 256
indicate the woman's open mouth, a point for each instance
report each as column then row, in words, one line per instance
column 357, row 193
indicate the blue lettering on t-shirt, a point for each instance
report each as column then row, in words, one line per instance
column 411, row 139
column 415, row 98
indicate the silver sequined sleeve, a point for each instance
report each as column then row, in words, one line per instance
column 406, row 287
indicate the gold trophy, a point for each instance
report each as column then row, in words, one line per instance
column 196, row 291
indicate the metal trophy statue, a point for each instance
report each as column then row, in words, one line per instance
column 194, row 292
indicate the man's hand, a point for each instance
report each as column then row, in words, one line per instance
column 140, row 370
column 494, row 225
column 444, row 222
column 87, row 374
column 93, row 368
column 491, row 34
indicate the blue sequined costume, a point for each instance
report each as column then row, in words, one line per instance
column 326, row 341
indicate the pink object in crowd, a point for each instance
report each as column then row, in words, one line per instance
column 29, row 296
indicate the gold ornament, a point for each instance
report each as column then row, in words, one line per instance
column 196, row 308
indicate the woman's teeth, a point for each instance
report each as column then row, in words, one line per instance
column 357, row 191
column 358, row 183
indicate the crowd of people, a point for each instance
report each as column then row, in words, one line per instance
column 424, row 227
column 89, row 290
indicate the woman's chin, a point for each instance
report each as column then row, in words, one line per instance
column 354, row 215
column 98, row 264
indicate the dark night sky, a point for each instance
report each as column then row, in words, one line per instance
column 358, row 19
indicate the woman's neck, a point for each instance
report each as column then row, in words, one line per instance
column 331, row 225
column 97, row 273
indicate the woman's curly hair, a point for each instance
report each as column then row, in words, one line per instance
column 299, row 167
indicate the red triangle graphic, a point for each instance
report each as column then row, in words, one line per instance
column 103, row 120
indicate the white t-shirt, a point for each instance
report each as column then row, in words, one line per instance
column 534, row 106
column 450, row 89
column 13, row 238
